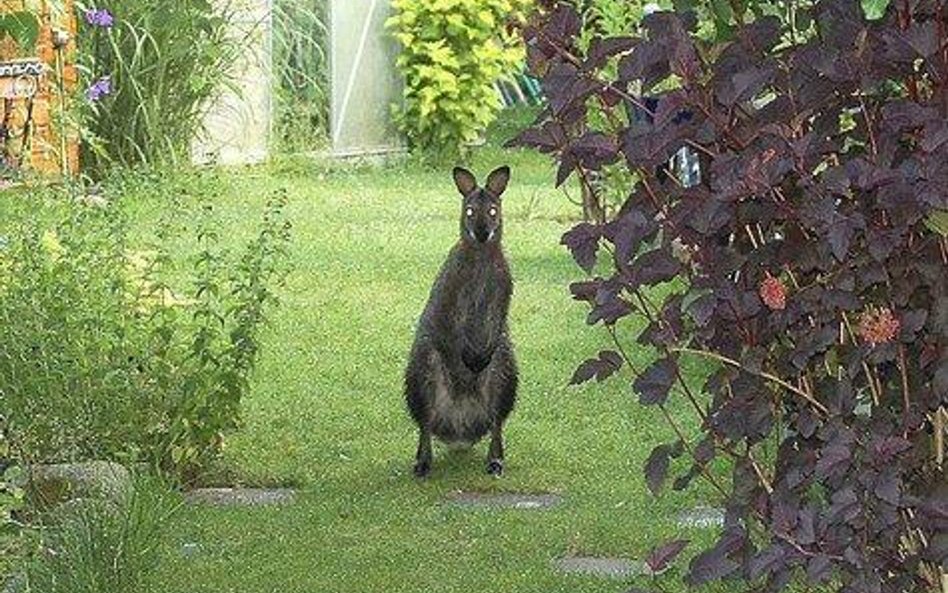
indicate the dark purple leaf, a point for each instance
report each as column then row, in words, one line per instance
column 585, row 291
column 600, row 50
column 887, row 488
column 705, row 450
column 603, row 367
column 912, row 322
column 627, row 234
column 710, row 566
column 886, row 449
column 547, row 138
column 568, row 163
column 702, row 309
column 766, row 561
column 649, row 62
column 565, row 86
column 594, row 150
column 609, row 311
column 840, row 235
column 654, row 384
column 818, row 569
column 833, row 459
column 656, row 468
column 661, row 557
column 583, row 243
column 654, row 268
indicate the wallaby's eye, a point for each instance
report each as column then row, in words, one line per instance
column 493, row 211
column 470, row 212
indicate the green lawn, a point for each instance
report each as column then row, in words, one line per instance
column 326, row 413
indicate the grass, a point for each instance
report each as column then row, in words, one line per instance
column 326, row 412
column 93, row 546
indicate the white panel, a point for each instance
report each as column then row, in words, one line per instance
column 364, row 80
column 238, row 124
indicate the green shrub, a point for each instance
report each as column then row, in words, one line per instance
column 113, row 350
column 101, row 547
column 453, row 51
column 165, row 61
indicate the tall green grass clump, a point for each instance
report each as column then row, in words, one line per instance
column 97, row 546
column 301, row 73
column 149, row 70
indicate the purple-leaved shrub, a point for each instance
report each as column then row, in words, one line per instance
column 803, row 272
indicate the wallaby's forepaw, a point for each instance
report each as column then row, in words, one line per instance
column 422, row 468
column 495, row 467
column 475, row 363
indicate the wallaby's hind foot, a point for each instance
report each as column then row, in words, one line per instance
column 495, row 456
column 495, row 467
column 422, row 468
column 423, row 457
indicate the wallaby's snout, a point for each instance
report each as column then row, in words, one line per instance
column 481, row 216
column 482, row 234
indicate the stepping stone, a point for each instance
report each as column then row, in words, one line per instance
column 505, row 501
column 16, row 584
column 701, row 518
column 48, row 486
column 613, row 568
column 244, row 497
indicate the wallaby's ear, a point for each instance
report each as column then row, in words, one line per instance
column 465, row 181
column 497, row 181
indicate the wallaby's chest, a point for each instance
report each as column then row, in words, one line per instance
column 478, row 287
column 480, row 293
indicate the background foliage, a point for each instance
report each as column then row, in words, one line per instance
column 165, row 60
column 100, row 358
column 802, row 266
column 452, row 53
column 301, row 65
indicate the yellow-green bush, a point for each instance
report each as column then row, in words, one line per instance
column 452, row 53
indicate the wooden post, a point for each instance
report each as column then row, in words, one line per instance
column 53, row 146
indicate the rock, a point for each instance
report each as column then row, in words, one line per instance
column 505, row 500
column 16, row 584
column 190, row 550
column 701, row 518
column 605, row 567
column 249, row 497
column 50, row 485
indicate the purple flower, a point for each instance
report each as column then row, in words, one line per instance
column 99, row 17
column 99, row 89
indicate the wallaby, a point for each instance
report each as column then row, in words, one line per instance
column 461, row 381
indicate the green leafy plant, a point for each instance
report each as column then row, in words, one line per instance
column 107, row 351
column 21, row 26
column 164, row 62
column 453, row 51
column 229, row 308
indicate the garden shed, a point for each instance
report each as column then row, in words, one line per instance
column 364, row 82
column 362, row 85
